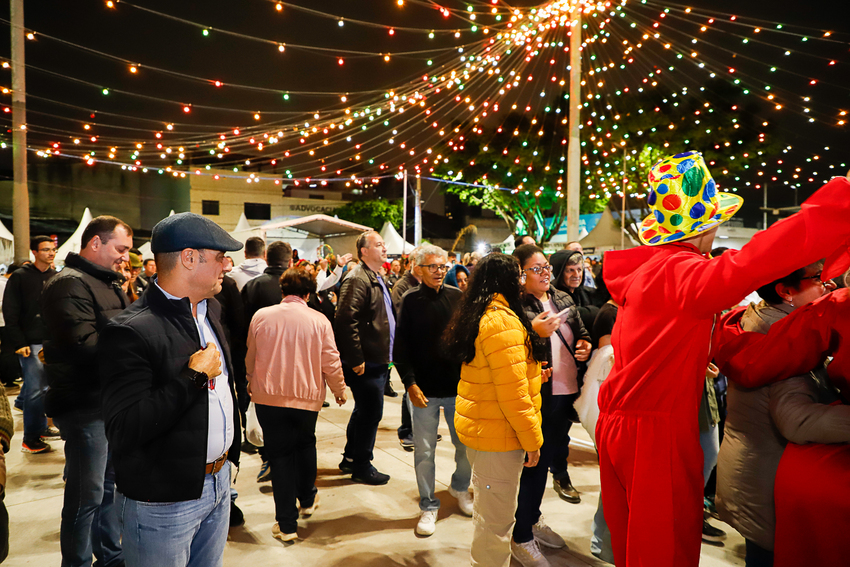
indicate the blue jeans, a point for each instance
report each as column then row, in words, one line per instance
column 558, row 409
column 600, row 537
column 425, row 423
column 368, row 392
column 32, row 395
column 89, row 519
column 178, row 534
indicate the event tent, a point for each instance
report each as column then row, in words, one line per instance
column 7, row 245
column 396, row 246
column 307, row 234
column 74, row 243
column 606, row 235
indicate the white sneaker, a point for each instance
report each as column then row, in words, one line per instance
column 546, row 535
column 464, row 501
column 528, row 554
column 282, row 536
column 427, row 524
column 307, row 512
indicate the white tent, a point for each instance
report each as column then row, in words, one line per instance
column 243, row 224
column 74, row 244
column 606, row 235
column 7, row 246
column 396, row 246
column 307, row 234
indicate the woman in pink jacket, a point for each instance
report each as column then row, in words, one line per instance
column 292, row 358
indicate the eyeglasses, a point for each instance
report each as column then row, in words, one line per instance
column 434, row 268
column 816, row 278
column 537, row 270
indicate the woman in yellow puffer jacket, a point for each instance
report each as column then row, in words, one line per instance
column 497, row 412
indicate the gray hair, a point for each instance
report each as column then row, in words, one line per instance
column 575, row 259
column 419, row 255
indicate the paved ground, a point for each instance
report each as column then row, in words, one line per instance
column 355, row 525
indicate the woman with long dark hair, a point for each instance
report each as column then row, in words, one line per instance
column 497, row 413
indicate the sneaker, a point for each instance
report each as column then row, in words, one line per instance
column 265, row 472
column 712, row 534
column 370, row 476
column 50, row 432
column 464, row 501
column 566, row 490
column 427, row 523
column 310, row 510
column 37, row 446
column 528, row 554
column 407, row 443
column 546, row 535
column 237, row 518
column 277, row 534
column 710, row 508
column 346, row 466
column 326, row 404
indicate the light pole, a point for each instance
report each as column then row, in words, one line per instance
column 574, row 151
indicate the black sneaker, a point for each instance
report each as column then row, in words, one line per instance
column 236, row 516
column 37, row 446
column 371, row 476
column 712, row 534
column 388, row 390
column 407, row 443
column 326, row 404
column 346, row 466
column 566, row 490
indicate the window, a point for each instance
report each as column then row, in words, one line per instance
column 209, row 208
column 258, row 211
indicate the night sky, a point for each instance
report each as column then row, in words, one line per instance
column 149, row 40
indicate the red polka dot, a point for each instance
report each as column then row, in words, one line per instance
column 664, row 168
column 714, row 211
column 663, row 230
column 649, row 234
column 672, row 202
column 732, row 210
column 648, row 221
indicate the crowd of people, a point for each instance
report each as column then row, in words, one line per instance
column 159, row 372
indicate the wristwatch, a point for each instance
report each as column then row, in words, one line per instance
column 199, row 379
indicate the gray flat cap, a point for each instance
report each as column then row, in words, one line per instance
column 189, row 230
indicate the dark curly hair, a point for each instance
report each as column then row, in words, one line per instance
column 496, row 273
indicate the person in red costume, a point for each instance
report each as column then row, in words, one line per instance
column 670, row 295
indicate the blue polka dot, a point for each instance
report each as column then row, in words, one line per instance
column 685, row 165
column 659, row 216
column 695, row 226
column 662, row 188
column 655, row 240
column 686, row 154
column 652, row 198
column 697, row 211
column 718, row 216
column 666, row 176
column 675, row 236
column 710, row 190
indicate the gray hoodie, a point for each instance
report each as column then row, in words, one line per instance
column 247, row 271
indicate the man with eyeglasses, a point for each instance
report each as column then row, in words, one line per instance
column 364, row 329
column 25, row 331
column 431, row 380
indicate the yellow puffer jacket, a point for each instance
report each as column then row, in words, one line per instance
column 498, row 397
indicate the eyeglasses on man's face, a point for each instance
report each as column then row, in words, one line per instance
column 435, row 268
column 538, row 270
column 816, row 279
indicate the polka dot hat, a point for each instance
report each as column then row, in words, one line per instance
column 684, row 200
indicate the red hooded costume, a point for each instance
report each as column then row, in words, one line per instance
column 666, row 332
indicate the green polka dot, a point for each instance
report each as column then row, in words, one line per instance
column 676, row 220
column 692, row 181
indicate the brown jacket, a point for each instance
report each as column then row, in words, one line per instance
column 361, row 326
column 759, row 423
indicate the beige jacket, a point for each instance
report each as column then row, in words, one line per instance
column 759, row 423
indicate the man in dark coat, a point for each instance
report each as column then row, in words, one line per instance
column 76, row 306
column 25, row 332
column 169, row 402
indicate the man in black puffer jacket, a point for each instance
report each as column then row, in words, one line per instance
column 76, row 306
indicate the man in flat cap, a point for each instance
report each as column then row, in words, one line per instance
column 169, row 404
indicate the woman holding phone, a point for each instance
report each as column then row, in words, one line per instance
column 566, row 348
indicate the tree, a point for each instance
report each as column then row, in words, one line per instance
column 372, row 213
column 518, row 169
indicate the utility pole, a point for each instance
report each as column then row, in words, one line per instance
column 404, row 213
column 417, row 213
column 764, row 218
column 574, row 151
column 623, row 211
column 20, row 190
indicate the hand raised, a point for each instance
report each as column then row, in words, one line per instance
column 206, row 360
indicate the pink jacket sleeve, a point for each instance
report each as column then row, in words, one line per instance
column 331, row 365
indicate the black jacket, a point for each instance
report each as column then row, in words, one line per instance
column 22, row 306
column 156, row 419
column 76, row 306
column 361, row 326
column 405, row 283
column 562, row 300
column 262, row 291
column 581, row 296
column 423, row 316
